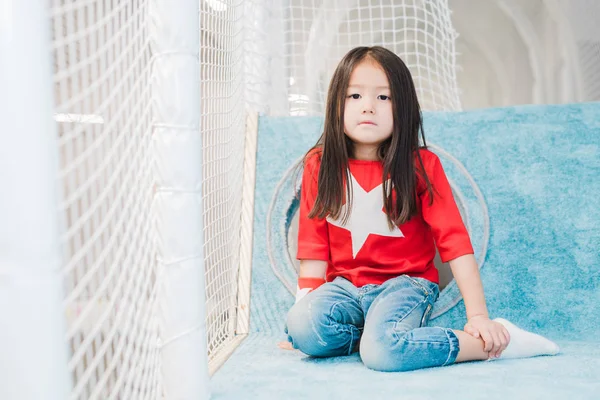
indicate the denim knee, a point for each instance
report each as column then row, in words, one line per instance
column 383, row 351
column 314, row 332
column 300, row 329
column 398, row 351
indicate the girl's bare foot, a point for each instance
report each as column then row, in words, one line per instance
column 285, row 346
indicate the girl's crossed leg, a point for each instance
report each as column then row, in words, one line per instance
column 330, row 321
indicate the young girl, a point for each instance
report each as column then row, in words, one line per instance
column 375, row 204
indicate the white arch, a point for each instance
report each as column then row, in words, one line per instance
column 571, row 77
column 493, row 60
column 530, row 38
column 497, row 64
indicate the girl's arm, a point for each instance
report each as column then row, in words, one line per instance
column 494, row 335
column 451, row 236
column 454, row 246
column 466, row 274
column 312, row 269
column 313, row 235
column 311, row 276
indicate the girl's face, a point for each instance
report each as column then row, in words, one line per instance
column 368, row 117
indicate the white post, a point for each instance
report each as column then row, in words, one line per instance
column 33, row 348
column 178, row 207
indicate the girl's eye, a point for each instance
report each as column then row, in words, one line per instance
column 383, row 97
column 355, row 96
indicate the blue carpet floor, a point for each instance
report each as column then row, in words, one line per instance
column 528, row 179
column 260, row 370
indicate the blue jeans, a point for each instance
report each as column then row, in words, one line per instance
column 388, row 320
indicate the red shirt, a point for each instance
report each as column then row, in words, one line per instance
column 365, row 250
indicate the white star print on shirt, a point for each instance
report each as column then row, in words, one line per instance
column 366, row 217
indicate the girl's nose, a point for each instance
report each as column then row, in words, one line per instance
column 368, row 108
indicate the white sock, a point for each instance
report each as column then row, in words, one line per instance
column 525, row 344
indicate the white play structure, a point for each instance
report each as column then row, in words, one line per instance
column 127, row 163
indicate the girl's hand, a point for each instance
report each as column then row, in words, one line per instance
column 494, row 335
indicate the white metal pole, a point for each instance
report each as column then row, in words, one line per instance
column 178, row 210
column 33, row 350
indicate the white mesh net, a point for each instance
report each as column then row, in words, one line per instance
column 102, row 98
column 318, row 33
column 291, row 48
column 223, row 128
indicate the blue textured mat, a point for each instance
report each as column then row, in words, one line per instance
column 538, row 169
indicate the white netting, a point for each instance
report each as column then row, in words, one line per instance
column 318, row 33
column 291, row 48
column 223, row 126
column 103, row 103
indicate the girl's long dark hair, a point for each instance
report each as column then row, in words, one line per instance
column 398, row 153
